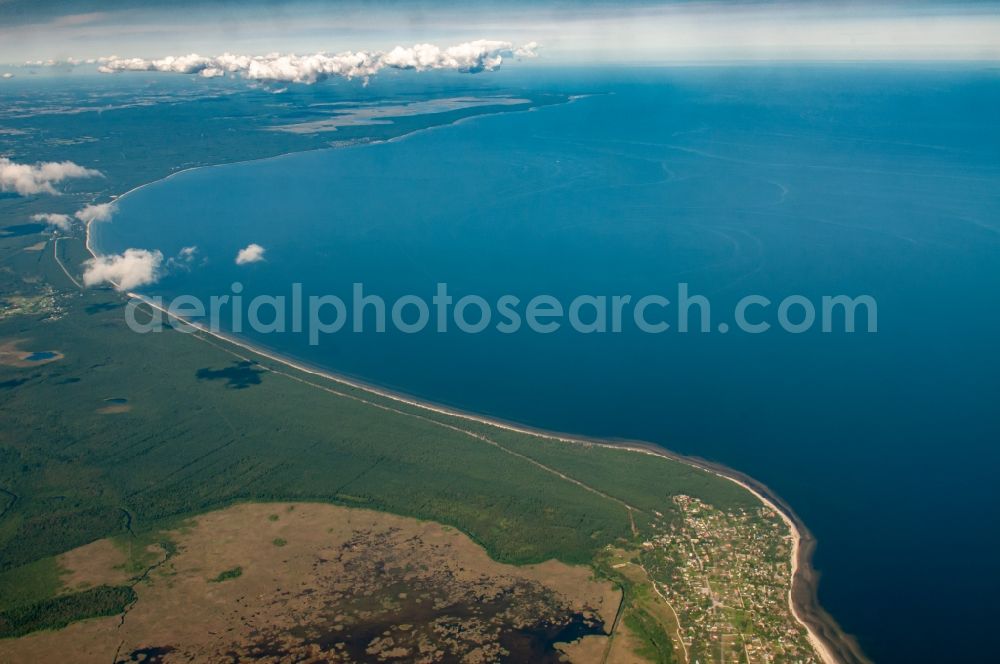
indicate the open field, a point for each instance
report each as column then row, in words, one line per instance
column 352, row 584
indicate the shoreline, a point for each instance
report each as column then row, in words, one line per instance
column 826, row 635
column 831, row 643
column 532, row 107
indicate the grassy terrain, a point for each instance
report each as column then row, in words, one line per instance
column 646, row 616
column 656, row 645
column 29, row 583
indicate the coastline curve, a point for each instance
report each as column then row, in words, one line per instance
column 832, row 644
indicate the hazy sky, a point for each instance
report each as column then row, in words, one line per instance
column 566, row 31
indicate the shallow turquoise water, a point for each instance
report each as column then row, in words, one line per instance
column 810, row 181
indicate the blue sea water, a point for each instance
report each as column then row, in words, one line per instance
column 772, row 181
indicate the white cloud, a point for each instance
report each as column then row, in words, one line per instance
column 529, row 50
column 184, row 259
column 475, row 56
column 252, row 253
column 185, row 64
column 134, row 268
column 63, row 222
column 7, row 74
column 99, row 212
column 27, row 179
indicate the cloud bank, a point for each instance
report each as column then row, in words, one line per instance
column 68, row 62
column 470, row 57
column 134, row 268
column 99, row 212
column 252, row 253
column 61, row 221
column 28, row 179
